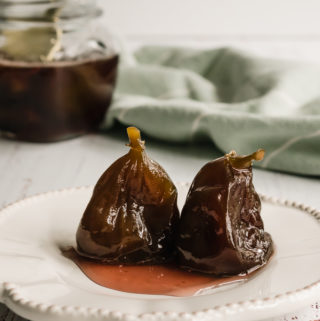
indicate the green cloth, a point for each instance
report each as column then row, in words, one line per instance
column 239, row 101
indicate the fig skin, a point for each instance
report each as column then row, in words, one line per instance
column 133, row 214
column 221, row 231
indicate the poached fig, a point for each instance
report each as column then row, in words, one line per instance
column 133, row 214
column 221, row 231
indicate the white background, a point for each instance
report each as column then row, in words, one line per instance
column 211, row 18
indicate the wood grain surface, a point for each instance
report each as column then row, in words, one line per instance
column 28, row 169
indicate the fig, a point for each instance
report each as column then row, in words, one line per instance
column 132, row 215
column 221, row 231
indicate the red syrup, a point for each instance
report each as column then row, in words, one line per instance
column 150, row 279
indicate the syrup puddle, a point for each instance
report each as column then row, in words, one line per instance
column 151, row 279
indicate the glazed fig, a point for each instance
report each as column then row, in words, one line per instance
column 221, row 231
column 133, row 214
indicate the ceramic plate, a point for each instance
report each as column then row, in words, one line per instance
column 40, row 284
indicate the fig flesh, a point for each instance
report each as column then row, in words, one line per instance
column 221, row 231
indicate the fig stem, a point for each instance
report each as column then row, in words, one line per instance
column 135, row 138
column 242, row 162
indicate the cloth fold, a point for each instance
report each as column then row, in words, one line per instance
column 238, row 101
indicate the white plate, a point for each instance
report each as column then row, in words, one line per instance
column 38, row 283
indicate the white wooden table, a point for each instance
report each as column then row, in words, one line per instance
column 27, row 169
column 288, row 29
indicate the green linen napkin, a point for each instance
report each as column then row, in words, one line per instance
column 237, row 100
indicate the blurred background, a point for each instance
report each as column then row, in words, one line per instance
column 283, row 28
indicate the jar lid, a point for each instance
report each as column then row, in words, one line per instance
column 32, row 30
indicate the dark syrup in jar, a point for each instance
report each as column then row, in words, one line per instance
column 45, row 102
column 151, row 279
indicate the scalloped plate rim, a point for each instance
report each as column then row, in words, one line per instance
column 10, row 294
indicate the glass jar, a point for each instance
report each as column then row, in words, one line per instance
column 58, row 69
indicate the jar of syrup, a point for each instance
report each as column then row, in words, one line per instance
column 58, row 69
